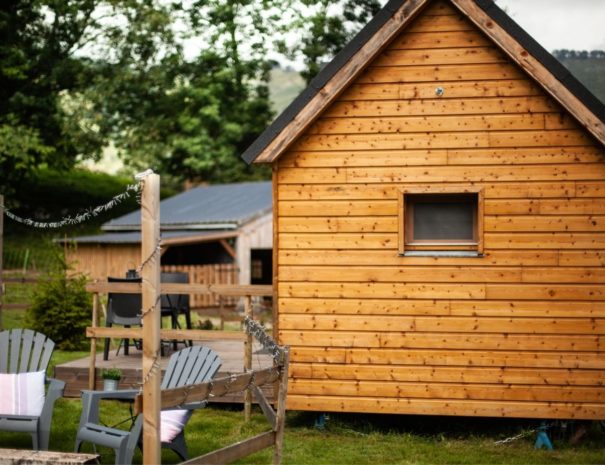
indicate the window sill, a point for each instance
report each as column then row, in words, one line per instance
column 442, row 253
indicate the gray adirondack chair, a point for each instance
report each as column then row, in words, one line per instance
column 23, row 351
column 190, row 365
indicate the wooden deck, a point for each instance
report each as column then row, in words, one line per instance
column 75, row 373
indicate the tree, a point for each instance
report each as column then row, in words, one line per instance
column 45, row 120
column 196, row 115
column 36, row 40
column 77, row 74
column 325, row 28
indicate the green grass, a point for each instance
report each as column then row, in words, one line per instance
column 347, row 439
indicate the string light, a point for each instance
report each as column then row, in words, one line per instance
column 80, row 218
column 255, row 329
column 156, row 251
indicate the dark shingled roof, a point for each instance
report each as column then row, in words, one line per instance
column 329, row 71
column 222, row 206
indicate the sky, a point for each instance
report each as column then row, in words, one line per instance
column 557, row 24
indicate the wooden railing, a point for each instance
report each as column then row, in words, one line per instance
column 234, row 291
column 211, row 275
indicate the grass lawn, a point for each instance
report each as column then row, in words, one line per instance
column 348, row 439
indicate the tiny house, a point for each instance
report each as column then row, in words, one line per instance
column 439, row 223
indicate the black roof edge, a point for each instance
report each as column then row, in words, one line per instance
column 319, row 81
column 554, row 66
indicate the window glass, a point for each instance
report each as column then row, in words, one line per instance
column 449, row 220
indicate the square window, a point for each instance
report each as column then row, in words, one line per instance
column 441, row 221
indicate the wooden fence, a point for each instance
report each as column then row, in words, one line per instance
column 212, row 274
column 12, row 279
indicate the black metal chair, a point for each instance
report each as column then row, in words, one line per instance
column 122, row 309
column 174, row 305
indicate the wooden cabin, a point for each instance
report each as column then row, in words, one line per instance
column 219, row 234
column 439, row 228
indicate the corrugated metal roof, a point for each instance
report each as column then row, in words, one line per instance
column 221, row 206
column 135, row 237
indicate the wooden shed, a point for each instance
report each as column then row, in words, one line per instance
column 439, row 228
column 219, row 234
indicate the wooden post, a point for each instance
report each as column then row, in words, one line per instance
column 93, row 343
column 248, row 360
column 150, row 272
column 280, row 421
column 1, row 255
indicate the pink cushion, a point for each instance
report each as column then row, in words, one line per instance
column 22, row 393
column 172, row 423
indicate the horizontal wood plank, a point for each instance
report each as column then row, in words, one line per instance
column 536, row 223
column 473, row 359
column 433, row 74
column 553, row 240
column 415, row 340
column 475, row 308
column 453, row 90
column 461, row 106
column 546, row 292
column 382, row 191
column 466, row 55
column 383, row 290
column 402, row 274
column 507, row 325
column 431, row 40
column 444, row 374
column 454, row 174
column 448, row 407
column 338, row 224
column 456, row 157
column 483, row 392
column 440, row 23
column 349, row 257
column 416, row 124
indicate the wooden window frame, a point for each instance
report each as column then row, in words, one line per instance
column 475, row 245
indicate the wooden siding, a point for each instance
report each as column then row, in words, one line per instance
column 98, row 261
column 517, row 332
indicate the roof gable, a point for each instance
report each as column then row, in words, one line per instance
column 339, row 74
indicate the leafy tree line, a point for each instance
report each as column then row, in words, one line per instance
column 179, row 86
column 579, row 54
column 588, row 67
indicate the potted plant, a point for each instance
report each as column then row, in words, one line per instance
column 111, row 376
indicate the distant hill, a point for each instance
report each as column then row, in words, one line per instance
column 588, row 67
column 285, row 85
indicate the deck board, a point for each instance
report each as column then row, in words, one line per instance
column 75, row 372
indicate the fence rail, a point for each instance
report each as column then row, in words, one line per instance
column 12, row 279
column 212, row 274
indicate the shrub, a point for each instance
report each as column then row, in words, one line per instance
column 61, row 309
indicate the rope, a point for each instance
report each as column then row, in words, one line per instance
column 514, row 438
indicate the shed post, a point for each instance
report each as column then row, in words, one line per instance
column 150, row 273
column 93, row 343
column 248, row 360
